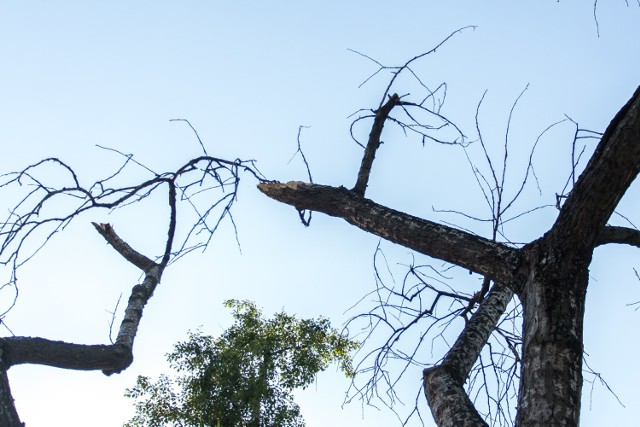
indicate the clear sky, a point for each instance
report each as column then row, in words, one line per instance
column 75, row 74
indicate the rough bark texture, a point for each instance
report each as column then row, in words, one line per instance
column 8, row 414
column 554, row 304
column 465, row 351
column 550, row 276
column 59, row 354
column 109, row 359
column 494, row 260
column 609, row 173
column 444, row 383
column 554, row 294
column 450, row 405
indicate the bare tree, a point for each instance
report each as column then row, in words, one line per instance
column 36, row 218
column 543, row 355
column 549, row 275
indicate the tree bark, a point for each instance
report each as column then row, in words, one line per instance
column 8, row 413
column 382, row 114
column 491, row 259
column 621, row 235
column 108, row 358
column 59, row 354
column 609, row 173
column 553, row 297
column 553, row 300
column 550, row 276
column 444, row 384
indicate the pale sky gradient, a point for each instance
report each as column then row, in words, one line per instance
column 246, row 74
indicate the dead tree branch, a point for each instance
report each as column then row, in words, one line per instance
column 443, row 384
column 37, row 217
column 472, row 252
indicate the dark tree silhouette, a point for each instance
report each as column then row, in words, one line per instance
column 35, row 220
column 549, row 275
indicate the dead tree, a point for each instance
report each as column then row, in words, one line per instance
column 549, row 275
column 32, row 223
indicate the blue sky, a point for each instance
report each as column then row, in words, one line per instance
column 74, row 75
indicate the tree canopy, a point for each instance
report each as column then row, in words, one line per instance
column 246, row 376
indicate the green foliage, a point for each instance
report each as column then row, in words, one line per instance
column 244, row 378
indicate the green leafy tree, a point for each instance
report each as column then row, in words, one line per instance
column 246, row 376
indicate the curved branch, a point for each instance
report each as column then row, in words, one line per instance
column 466, row 350
column 452, row 406
column 443, row 384
column 108, row 358
column 140, row 294
column 623, row 235
column 494, row 260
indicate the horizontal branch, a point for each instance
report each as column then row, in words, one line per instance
column 622, row 235
column 494, row 260
column 109, row 358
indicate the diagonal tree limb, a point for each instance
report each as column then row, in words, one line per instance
column 613, row 166
column 123, row 248
column 382, row 114
column 443, row 384
column 494, row 260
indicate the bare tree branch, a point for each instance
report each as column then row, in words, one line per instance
column 623, row 235
column 381, row 116
column 495, row 260
column 610, row 171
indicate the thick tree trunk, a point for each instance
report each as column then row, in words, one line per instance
column 554, row 303
column 553, row 297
